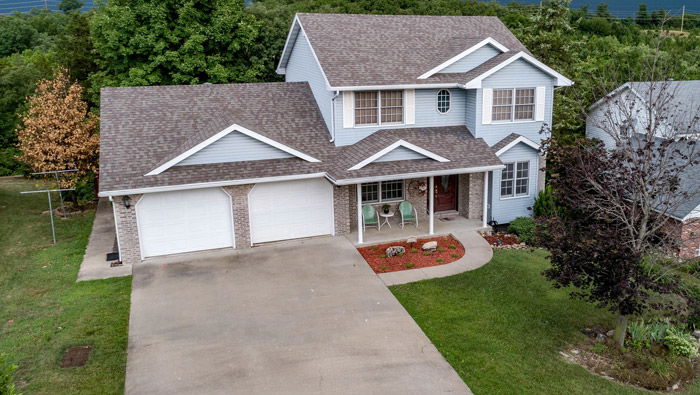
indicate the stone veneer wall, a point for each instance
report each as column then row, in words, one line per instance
column 341, row 208
column 241, row 223
column 476, row 196
column 463, row 195
column 690, row 238
column 127, row 230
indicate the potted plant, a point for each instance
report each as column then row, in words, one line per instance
column 386, row 208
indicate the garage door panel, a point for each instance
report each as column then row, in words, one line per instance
column 184, row 221
column 289, row 210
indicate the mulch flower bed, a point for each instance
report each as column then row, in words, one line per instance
column 449, row 250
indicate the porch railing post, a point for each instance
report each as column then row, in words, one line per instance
column 486, row 200
column 431, row 204
column 359, row 215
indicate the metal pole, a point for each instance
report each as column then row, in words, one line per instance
column 60, row 195
column 53, row 229
column 682, row 18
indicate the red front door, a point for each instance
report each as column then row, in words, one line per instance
column 446, row 193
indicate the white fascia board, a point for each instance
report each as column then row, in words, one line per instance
column 692, row 215
column 390, row 87
column 610, row 95
column 288, row 46
column 400, row 143
column 388, row 177
column 233, row 128
column 521, row 139
column 487, row 41
column 561, row 80
column 213, row 184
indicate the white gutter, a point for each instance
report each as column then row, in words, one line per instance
column 350, row 181
column 337, row 93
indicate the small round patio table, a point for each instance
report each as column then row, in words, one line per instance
column 386, row 217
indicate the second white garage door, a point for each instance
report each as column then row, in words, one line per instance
column 290, row 210
column 184, row 221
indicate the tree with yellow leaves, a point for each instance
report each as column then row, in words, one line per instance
column 58, row 132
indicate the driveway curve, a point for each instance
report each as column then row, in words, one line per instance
column 298, row 317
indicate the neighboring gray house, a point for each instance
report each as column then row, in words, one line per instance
column 628, row 105
column 374, row 110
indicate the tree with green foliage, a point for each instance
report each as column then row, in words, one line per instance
column 74, row 49
column 159, row 42
column 602, row 11
column 642, row 17
column 16, row 35
column 70, row 6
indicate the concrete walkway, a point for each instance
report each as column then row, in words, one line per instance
column 477, row 254
column 300, row 317
column 95, row 265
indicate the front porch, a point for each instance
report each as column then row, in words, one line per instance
column 442, row 225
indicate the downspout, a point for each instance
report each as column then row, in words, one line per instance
column 337, row 93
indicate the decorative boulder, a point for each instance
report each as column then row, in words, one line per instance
column 430, row 246
column 412, row 240
column 396, row 250
column 696, row 334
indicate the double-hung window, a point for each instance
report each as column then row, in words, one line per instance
column 385, row 191
column 378, row 107
column 515, row 179
column 511, row 105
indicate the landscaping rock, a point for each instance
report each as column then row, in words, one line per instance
column 430, row 246
column 411, row 240
column 696, row 334
column 600, row 337
column 610, row 333
column 395, row 250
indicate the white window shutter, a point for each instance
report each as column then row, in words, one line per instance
column 486, row 107
column 410, row 106
column 540, row 96
column 348, row 109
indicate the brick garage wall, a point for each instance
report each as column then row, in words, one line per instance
column 127, row 230
column 476, row 196
column 241, row 224
column 341, row 208
column 690, row 238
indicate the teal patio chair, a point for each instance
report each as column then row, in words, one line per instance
column 370, row 218
column 408, row 213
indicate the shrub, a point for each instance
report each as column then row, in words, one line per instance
column 409, row 265
column 681, row 343
column 454, row 255
column 441, row 249
column 545, row 203
column 657, row 331
column 439, row 260
column 413, row 250
column 524, row 228
column 639, row 336
column 452, row 247
column 7, row 387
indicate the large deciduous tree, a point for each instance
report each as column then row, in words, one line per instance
column 57, row 132
column 619, row 202
column 159, row 42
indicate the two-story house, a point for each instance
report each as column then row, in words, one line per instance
column 444, row 112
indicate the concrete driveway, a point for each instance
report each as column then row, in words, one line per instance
column 299, row 317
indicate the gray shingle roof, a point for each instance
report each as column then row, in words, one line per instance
column 506, row 140
column 142, row 127
column 360, row 50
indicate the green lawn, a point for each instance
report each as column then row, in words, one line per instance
column 43, row 310
column 502, row 327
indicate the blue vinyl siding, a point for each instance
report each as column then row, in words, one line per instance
column 302, row 66
column 519, row 74
column 472, row 60
column 234, row 147
column 504, row 210
column 400, row 153
column 427, row 115
column 471, row 112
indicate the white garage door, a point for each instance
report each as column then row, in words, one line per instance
column 183, row 221
column 290, row 210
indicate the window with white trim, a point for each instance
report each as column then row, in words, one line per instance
column 515, row 179
column 443, row 101
column 378, row 107
column 517, row 104
column 385, row 191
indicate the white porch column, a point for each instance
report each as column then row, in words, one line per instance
column 486, row 199
column 360, row 231
column 431, row 205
